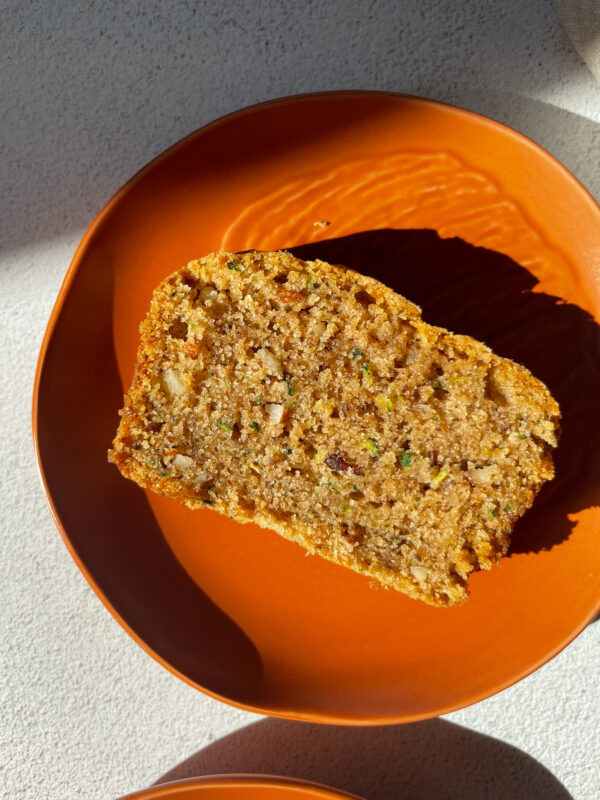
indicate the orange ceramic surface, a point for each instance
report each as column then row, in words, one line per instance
column 491, row 237
column 240, row 787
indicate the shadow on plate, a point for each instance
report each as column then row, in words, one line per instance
column 485, row 294
column 108, row 520
column 432, row 760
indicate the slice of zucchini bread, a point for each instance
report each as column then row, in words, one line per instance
column 315, row 401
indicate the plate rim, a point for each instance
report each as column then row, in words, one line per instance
column 237, row 780
column 337, row 718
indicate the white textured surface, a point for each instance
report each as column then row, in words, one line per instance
column 89, row 93
column 581, row 20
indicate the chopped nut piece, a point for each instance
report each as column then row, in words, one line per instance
column 206, row 292
column 182, row 462
column 420, row 573
column 172, row 381
column 274, row 412
column 483, row 476
column 269, row 361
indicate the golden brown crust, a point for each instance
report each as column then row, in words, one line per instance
column 315, row 401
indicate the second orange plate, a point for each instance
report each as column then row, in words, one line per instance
column 470, row 220
column 241, row 787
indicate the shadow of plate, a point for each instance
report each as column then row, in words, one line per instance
column 432, row 760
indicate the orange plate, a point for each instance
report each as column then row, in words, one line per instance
column 237, row 611
column 241, row 787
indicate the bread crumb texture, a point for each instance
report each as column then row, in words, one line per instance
column 315, row 401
